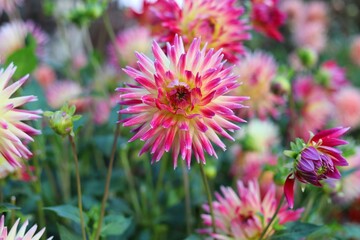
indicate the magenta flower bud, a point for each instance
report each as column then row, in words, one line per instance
column 316, row 161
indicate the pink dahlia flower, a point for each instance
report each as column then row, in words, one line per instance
column 13, row 35
column 316, row 160
column 355, row 50
column 12, row 129
column 266, row 18
column 9, row 6
column 256, row 71
column 127, row 42
column 245, row 215
column 181, row 103
column 217, row 22
column 22, row 234
column 61, row 92
column 347, row 107
column 334, row 76
column 314, row 107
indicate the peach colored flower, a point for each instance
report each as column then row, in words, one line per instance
column 347, row 107
column 45, row 75
column 355, row 50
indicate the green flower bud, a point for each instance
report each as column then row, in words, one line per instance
column 62, row 122
column 308, row 57
column 210, row 171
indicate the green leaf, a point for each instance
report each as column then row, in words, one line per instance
column 7, row 207
column 68, row 212
column 351, row 231
column 65, row 234
column 295, row 231
column 115, row 225
column 25, row 58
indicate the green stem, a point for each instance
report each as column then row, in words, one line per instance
column 13, row 202
column 308, row 208
column 112, row 35
column 185, row 174
column 38, row 190
column 78, row 184
column 131, row 182
column 108, row 180
column 208, row 193
column 150, row 189
column 160, row 177
column 263, row 234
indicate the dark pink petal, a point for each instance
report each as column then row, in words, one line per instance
column 289, row 190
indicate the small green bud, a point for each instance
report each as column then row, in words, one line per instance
column 307, row 56
column 62, row 122
column 323, row 78
column 210, row 171
column 281, row 85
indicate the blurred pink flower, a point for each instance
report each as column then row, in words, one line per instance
column 355, row 50
column 181, row 104
column 347, row 107
column 310, row 35
column 20, row 234
column 334, row 74
column 314, row 107
column 79, row 61
column 217, row 22
column 350, row 184
column 267, row 18
column 9, row 6
column 127, row 42
column 13, row 35
column 60, row 92
column 317, row 160
column 293, row 9
column 45, row 75
column 317, row 11
column 256, row 71
column 148, row 15
column 250, row 165
column 308, row 22
column 12, row 128
column 244, row 215
column 101, row 109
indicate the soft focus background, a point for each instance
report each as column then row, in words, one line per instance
column 302, row 74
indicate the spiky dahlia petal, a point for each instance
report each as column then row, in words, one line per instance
column 21, row 234
column 12, row 128
column 180, row 104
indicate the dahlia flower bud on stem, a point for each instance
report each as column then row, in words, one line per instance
column 316, row 160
